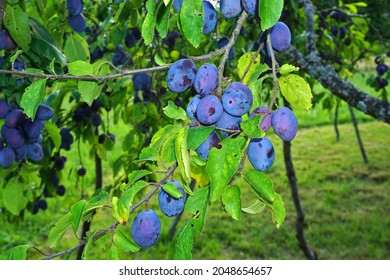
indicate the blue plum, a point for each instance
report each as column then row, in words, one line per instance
column 209, row 110
column 7, row 157
column 211, row 141
column 35, row 152
column 44, row 113
column 192, row 105
column 146, row 228
column 237, row 99
column 263, row 110
column 4, row 108
column 209, row 17
column 228, row 121
column 66, row 139
column 33, row 128
column 74, row 7
column 15, row 118
column 3, row 40
column 177, row 5
column 284, row 123
column 21, row 152
column 230, row 8
column 223, row 42
column 206, row 79
column 130, row 40
column 142, row 81
column 280, row 36
column 250, row 6
column 15, row 138
column 261, row 153
column 181, row 75
column 169, row 205
column 77, row 22
column 96, row 119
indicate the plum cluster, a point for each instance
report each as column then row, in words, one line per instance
column 21, row 136
column 146, row 226
column 76, row 18
column 381, row 69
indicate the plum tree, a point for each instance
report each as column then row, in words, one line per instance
column 146, row 228
column 170, row 205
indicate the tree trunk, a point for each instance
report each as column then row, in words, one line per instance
column 360, row 142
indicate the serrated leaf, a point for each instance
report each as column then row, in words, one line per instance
column 261, row 184
column 251, row 127
column 15, row 253
column 114, row 253
column 162, row 19
column 136, row 175
column 287, row 69
column 149, row 22
column 270, row 12
column 197, row 135
column 80, row 68
column 124, row 243
column 231, row 200
column 76, row 48
column 278, row 210
column 13, row 196
column 183, row 157
column 17, row 23
column 191, row 21
column 172, row 190
column 255, row 208
column 175, row 112
column 181, row 245
column 254, row 70
column 222, row 164
column 296, row 91
column 77, row 211
column 159, row 61
column 121, row 206
column 54, row 133
column 33, row 97
column 57, row 232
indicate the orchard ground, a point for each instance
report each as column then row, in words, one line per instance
column 346, row 201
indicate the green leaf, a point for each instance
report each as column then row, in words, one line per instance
column 114, row 253
column 197, row 205
column 181, row 245
column 149, row 22
column 296, row 91
column 13, row 196
column 166, row 2
column 278, row 210
column 231, row 200
column 88, row 245
column 270, row 12
column 57, row 232
column 98, row 199
column 175, row 112
column 261, row 184
column 255, row 208
column 76, row 48
column 162, row 19
column 287, row 69
column 254, row 70
column 251, row 127
column 89, row 90
column 172, row 190
column 191, row 21
column 136, row 175
column 121, row 206
column 148, row 154
column 77, row 211
column 17, row 23
column 15, row 56
column 222, row 164
column 197, row 135
column 159, row 61
column 16, row 253
column 80, row 68
column 54, row 133
column 124, row 243
column 183, row 157
column 33, row 97
column 47, row 50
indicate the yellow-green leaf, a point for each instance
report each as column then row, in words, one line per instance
column 183, row 156
column 296, row 91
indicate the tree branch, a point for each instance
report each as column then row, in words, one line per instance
column 328, row 77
